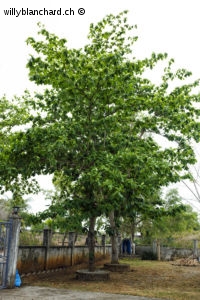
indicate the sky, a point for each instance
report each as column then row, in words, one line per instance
column 170, row 26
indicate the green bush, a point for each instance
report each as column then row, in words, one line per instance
column 149, row 255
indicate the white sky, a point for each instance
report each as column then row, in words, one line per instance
column 170, row 26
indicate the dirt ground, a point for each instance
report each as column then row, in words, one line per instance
column 46, row 293
column 147, row 278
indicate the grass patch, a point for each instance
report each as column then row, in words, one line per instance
column 155, row 279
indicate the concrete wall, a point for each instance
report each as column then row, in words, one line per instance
column 40, row 258
column 166, row 252
column 173, row 253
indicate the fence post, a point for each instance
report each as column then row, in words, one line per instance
column 47, row 234
column 15, row 220
column 103, row 243
column 196, row 248
column 154, row 247
column 71, row 241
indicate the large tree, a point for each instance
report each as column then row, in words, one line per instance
column 96, row 120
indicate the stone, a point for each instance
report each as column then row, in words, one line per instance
column 97, row 275
column 117, row 267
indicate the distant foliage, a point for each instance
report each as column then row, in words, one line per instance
column 30, row 238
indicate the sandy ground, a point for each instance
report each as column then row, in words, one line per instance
column 37, row 293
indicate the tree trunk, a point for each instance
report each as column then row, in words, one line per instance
column 114, row 239
column 91, row 244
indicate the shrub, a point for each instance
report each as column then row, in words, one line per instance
column 149, row 255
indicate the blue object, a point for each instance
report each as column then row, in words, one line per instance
column 18, row 281
column 126, row 246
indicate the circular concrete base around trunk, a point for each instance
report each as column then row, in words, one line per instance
column 117, row 267
column 97, row 275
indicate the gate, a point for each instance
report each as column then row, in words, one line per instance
column 5, row 238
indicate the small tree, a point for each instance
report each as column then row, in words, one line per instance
column 177, row 218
